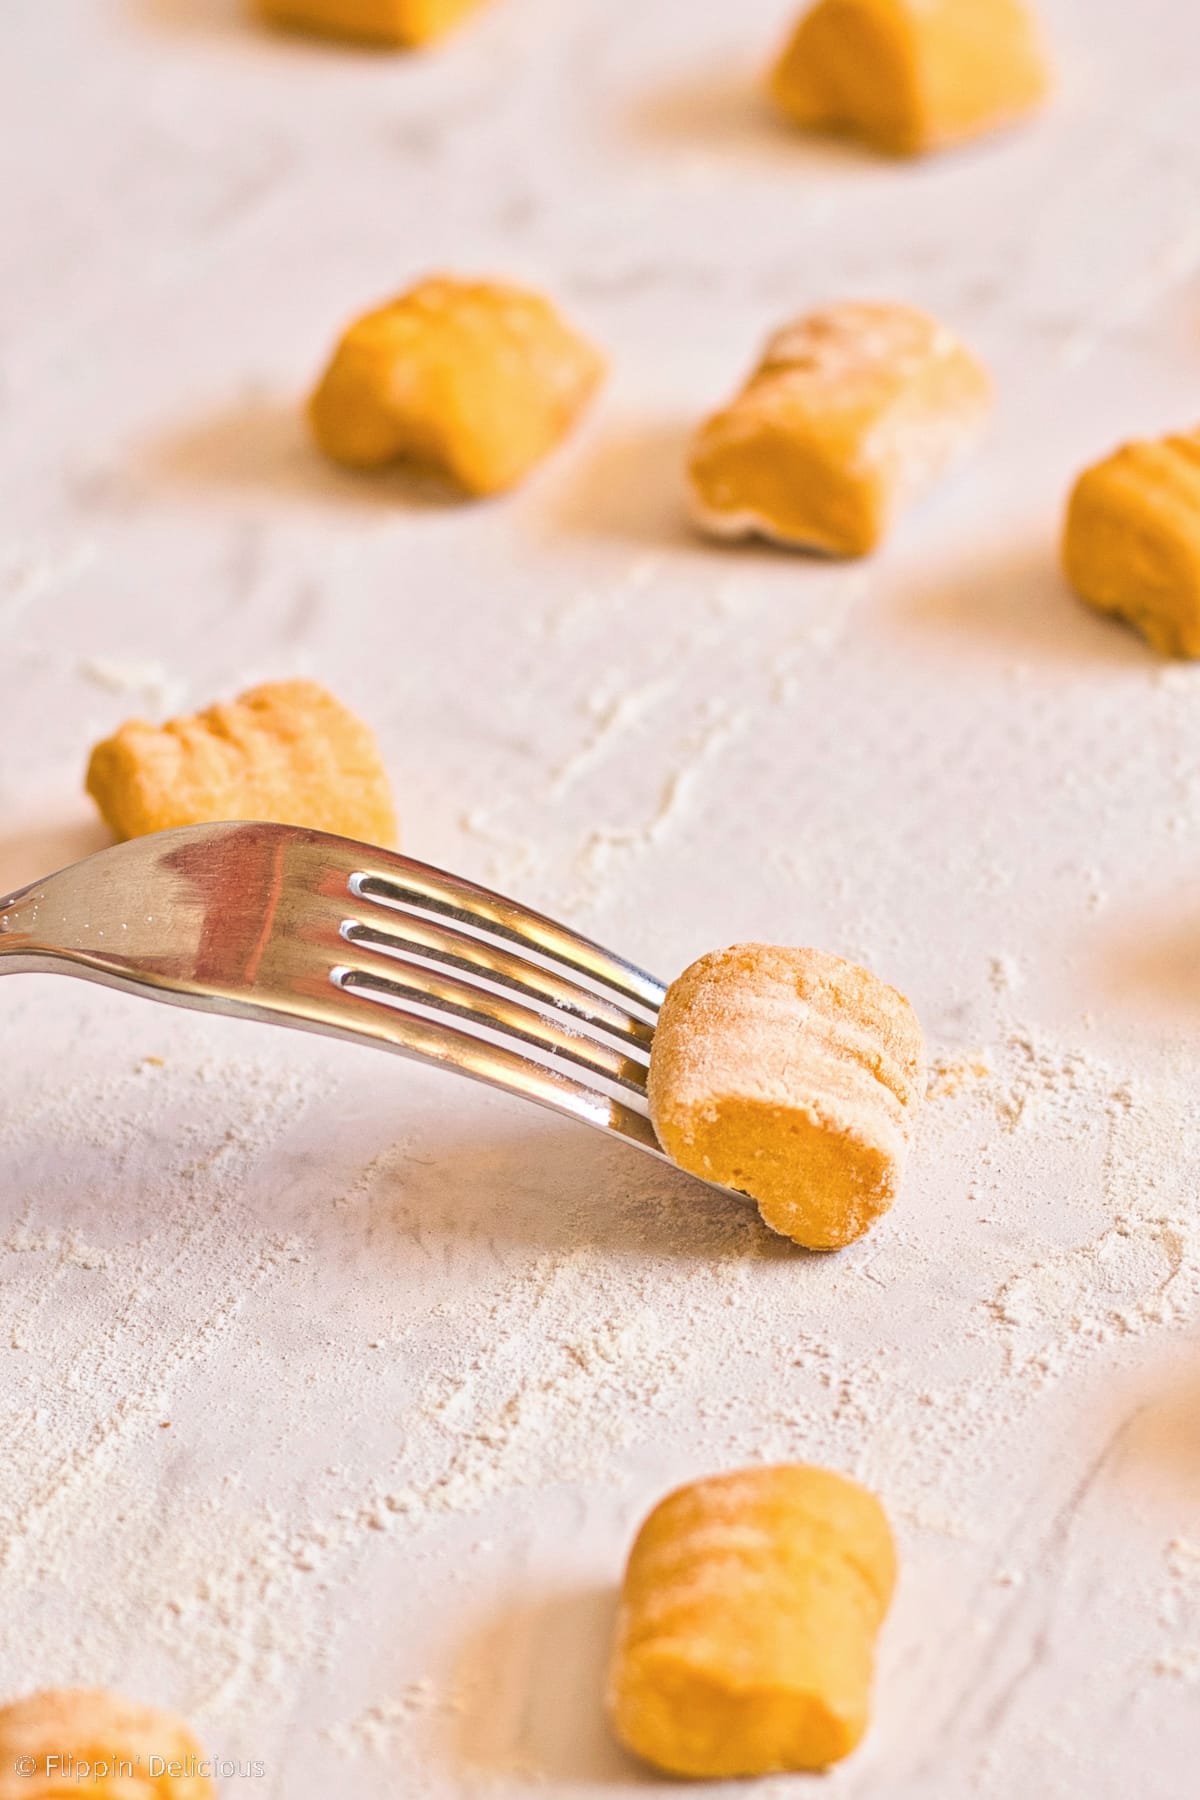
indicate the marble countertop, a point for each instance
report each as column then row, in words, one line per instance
column 333, row 1388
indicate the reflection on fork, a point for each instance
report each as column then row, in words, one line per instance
column 294, row 927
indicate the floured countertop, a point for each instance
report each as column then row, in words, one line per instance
column 333, row 1388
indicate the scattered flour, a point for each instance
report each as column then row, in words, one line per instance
column 148, row 682
column 456, row 1369
column 1179, row 1665
column 950, row 1076
column 379, row 1729
column 704, row 747
column 33, row 572
column 614, row 719
column 1140, row 1273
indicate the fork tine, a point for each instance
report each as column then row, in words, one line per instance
column 259, row 921
column 398, row 882
column 469, row 955
column 435, row 1041
column 391, row 982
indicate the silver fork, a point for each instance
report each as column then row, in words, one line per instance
column 294, row 927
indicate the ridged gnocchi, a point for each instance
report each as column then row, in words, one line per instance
column 476, row 380
column 745, row 1641
column 1132, row 541
column 795, row 1077
column 852, row 412
column 909, row 76
column 286, row 752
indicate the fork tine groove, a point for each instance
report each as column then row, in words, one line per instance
column 393, row 982
column 474, row 956
column 400, row 882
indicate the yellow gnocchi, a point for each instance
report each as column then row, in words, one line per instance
column 746, row 1636
column 475, row 380
column 1132, row 541
column 795, row 1077
column 83, row 1740
column 912, row 75
column 397, row 23
column 286, row 752
column 852, row 412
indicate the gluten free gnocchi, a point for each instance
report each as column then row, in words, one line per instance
column 745, row 1641
column 912, row 75
column 287, row 753
column 398, row 23
column 795, row 1077
column 70, row 1741
column 476, row 380
column 1132, row 541
column 852, row 412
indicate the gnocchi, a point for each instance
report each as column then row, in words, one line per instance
column 852, row 412
column 1132, row 541
column 794, row 1077
column 83, row 1740
column 746, row 1635
column 475, row 380
column 286, row 752
column 400, row 23
column 912, row 75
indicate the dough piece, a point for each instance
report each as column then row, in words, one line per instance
column 746, row 1636
column 912, row 75
column 852, row 413
column 1132, row 541
column 475, row 380
column 398, row 23
column 84, row 1741
column 288, row 753
column 794, row 1077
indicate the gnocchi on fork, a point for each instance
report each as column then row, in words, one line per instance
column 789, row 1076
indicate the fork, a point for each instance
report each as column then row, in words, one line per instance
column 294, row 927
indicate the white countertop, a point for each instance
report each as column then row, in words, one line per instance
column 333, row 1389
